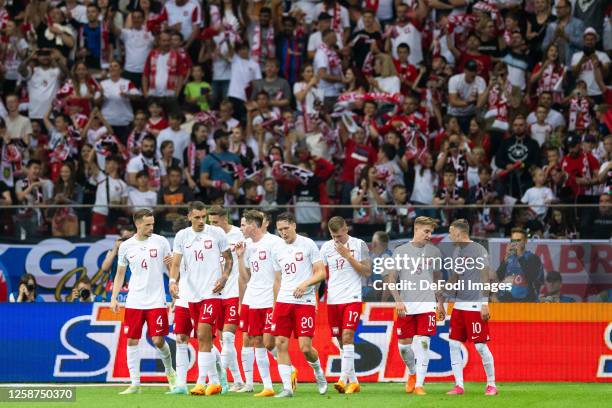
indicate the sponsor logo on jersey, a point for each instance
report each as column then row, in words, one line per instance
column 153, row 252
column 299, row 256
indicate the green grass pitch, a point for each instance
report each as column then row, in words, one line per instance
column 381, row 395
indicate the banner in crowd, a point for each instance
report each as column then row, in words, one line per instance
column 56, row 263
column 68, row 342
column 585, row 266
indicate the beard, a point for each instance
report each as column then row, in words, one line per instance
column 148, row 153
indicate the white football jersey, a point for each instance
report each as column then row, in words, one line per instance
column 344, row 284
column 201, row 252
column 259, row 292
column 231, row 286
column 146, row 261
column 295, row 261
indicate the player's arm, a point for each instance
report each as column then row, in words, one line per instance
column 227, row 269
column 363, row 267
column 318, row 275
column 175, row 270
column 439, row 296
column 487, row 276
column 389, row 280
column 244, row 273
column 117, row 285
column 277, row 283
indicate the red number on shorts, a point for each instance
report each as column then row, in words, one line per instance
column 290, row 268
column 476, row 328
column 339, row 263
column 144, row 265
column 432, row 321
column 208, row 310
column 307, row 322
column 353, row 317
column 198, row 254
column 232, row 311
column 255, row 266
column 159, row 321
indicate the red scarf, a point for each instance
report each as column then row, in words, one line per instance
column 332, row 58
column 498, row 106
column 579, row 116
column 336, row 14
column 259, row 43
column 172, row 66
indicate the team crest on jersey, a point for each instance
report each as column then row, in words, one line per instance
column 299, row 256
column 335, row 331
column 153, row 253
column 262, row 255
column 208, row 244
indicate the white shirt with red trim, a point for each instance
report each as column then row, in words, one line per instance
column 230, row 290
column 116, row 107
column 259, row 292
column 295, row 262
column 146, row 261
column 189, row 15
column 344, row 283
column 138, row 44
column 201, row 252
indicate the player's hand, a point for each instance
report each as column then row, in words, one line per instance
column 440, row 311
column 300, row 290
column 168, row 261
column 174, row 290
column 240, row 248
column 484, row 312
column 342, row 250
column 114, row 305
column 401, row 309
column 220, row 284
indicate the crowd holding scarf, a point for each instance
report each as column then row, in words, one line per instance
column 109, row 145
column 551, row 81
column 498, row 106
column 70, row 94
column 134, row 140
column 175, row 71
column 262, row 47
column 579, row 114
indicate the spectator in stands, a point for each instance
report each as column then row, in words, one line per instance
column 82, row 291
column 197, row 91
column 450, row 194
column 27, row 290
column 111, row 190
column 109, row 265
column 552, row 289
column 539, row 196
column 553, row 117
column 424, row 186
column 116, row 107
column 522, row 269
column 147, row 160
column 566, row 32
column 179, row 137
column 559, row 225
column 328, row 66
column 591, row 65
column 379, row 250
column 138, row 42
column 466, row 93
column 18, row 127
column 29, row 191
column 163, row 75
column 600, row 227
column 66, row 191
column 367, row 195
column 141, row 197
column 243, row 71
column 175, row 194
column 217, row 170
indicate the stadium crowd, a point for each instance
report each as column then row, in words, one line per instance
column 380, row 104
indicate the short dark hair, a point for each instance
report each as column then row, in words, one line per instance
column 140, row 214
column 166, row 143
column 248, row 184
column 404, row 45
column 554, row 276
column 174, row 169
column 389, row 150
column 197, row 206
column 286, row 216
column 142, row 173
column 462, row 225
column 254, row 216
column 518, row 230
column 218, row 210
column 450, row 169
column 149, row 136
column 265, row 10
column 32, row 162
column 485, row 168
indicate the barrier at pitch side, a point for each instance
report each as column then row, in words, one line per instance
column 67, row 342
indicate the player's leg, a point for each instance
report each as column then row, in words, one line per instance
column 206, row 359
column 304, row 327
column 282, row 327
column 426, row 327
column 350, row 320
column 489, row 367
column 334, row 320
column 229, row 356
column 182, row 329
column 133, row 320
column 247, row 353
column 457, row 334
column 157, row 328
column 405, row 328
column 478, row 332
column 263, row 365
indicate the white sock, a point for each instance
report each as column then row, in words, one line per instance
column 248, row 358
column 316, row 367
column 217, row 355
column 229, row 357
column 421, row 351
column 202, row 369
column 348, row 362
column 343, row 368
column 207, row 359
column 133, row 363
column 456, row 361
column 263, row 365
column 487, row 362
column 182, row 362
column 285, row 374
column 166, row 357
column 408, row 356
